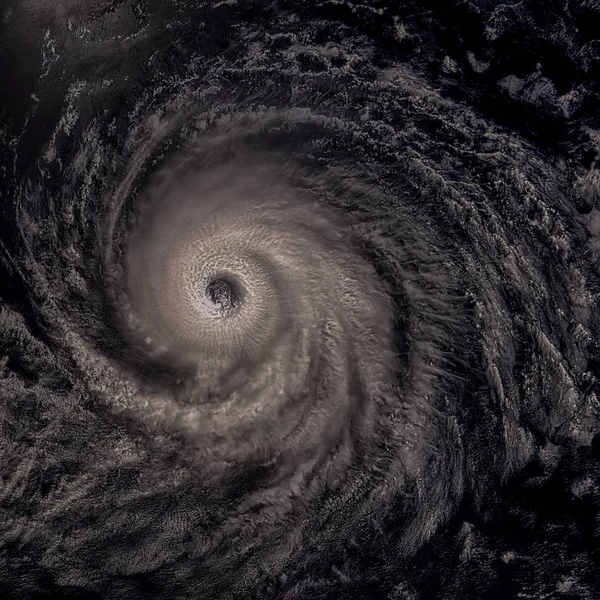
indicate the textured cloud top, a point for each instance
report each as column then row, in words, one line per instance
column 297, row 302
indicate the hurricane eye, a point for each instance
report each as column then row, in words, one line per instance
column 223, row 296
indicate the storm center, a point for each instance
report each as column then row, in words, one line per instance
column 222, row 296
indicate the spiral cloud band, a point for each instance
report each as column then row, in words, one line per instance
column 276, row 316
column 290, row 310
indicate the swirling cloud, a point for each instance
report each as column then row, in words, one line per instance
column 289, row 317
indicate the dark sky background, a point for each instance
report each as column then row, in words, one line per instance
column 405, row 197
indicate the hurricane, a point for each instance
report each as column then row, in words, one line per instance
column 298, row 300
